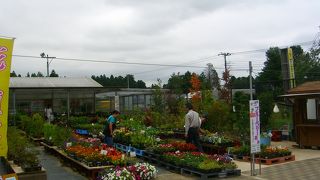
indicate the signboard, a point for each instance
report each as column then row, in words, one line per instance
column 9, row 177
column 254, row 126
column 287, row 68
column 291, row 68
column 6, row 46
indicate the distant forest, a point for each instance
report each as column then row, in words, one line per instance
column 119, row 82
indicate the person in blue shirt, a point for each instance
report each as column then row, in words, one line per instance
column 110, row 127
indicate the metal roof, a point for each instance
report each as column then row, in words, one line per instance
column 52, row 82
column 301, row 94
column 307, row 87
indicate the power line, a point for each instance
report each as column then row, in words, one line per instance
column 189, row 62
column 113, row 62
column 164, row 65
column 264, row 50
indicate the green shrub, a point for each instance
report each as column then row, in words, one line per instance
column 36, row 126
column 25, row 122
column 74, row 121
column 48, row 131
column 210, row 165
column 19, row 149
column 56, row 134
column 33, row 126
column 61, row 135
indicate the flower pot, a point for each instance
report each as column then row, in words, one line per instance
column 265, row 141
column 31, row 168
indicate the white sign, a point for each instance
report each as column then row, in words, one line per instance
column 254, row 126
column 103, row 152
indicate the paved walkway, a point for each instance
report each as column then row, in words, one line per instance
column 56, row 170
column 304, row 169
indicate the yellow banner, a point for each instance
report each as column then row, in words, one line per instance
column 291, row 68
column 6, row 46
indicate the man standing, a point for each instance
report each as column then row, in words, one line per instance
column 192, row 127
column 49, row 114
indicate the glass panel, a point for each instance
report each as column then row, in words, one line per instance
column 311, row 109
column 148, row 101
column 141, row 103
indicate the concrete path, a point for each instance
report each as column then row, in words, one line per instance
column 56, row 170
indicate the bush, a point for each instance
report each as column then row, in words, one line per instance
column 48, row 131
column 61, row 135
column 36, row 126
column 219, row 118
column 74, row 121
column 19, row 148
column 32, row 126
column 56, row 134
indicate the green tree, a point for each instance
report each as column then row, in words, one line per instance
column 225, row 92
column 219, row 117
column 158, row 99
column 307, row 66
column 175, row 83
column 119, row 81
column 186, row 82
column 240, row 82
column 211, row 79
column 13, row 74
column 241, row 108
column 53, row 74
column 270, row 79
column 179, row 83
column 266, row 106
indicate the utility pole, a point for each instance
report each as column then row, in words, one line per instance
column 250, row 74
column 43, row 55
column 225, row 59
column 252, row 162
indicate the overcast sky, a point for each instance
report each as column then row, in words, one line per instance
column 187, row 32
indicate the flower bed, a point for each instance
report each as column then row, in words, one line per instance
column 172, row 147
column 138, row 171
column 218, row 140
column 199, row 161
column 274, row 151
column 95, row 156
column 139, row 139
column 267, row 152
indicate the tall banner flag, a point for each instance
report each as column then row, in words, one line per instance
column 6, row 46
column 291, row 69
column 255, row 126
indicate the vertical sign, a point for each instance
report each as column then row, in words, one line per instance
column 254, row 126
column 291, row 68
column 6, row 46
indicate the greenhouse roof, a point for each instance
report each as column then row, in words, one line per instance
column 53, row 82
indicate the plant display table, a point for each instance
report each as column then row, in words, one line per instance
column 90, row 172
column 270, row 161
column 22, row 175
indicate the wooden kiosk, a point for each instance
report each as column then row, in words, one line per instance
column 306, row 113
